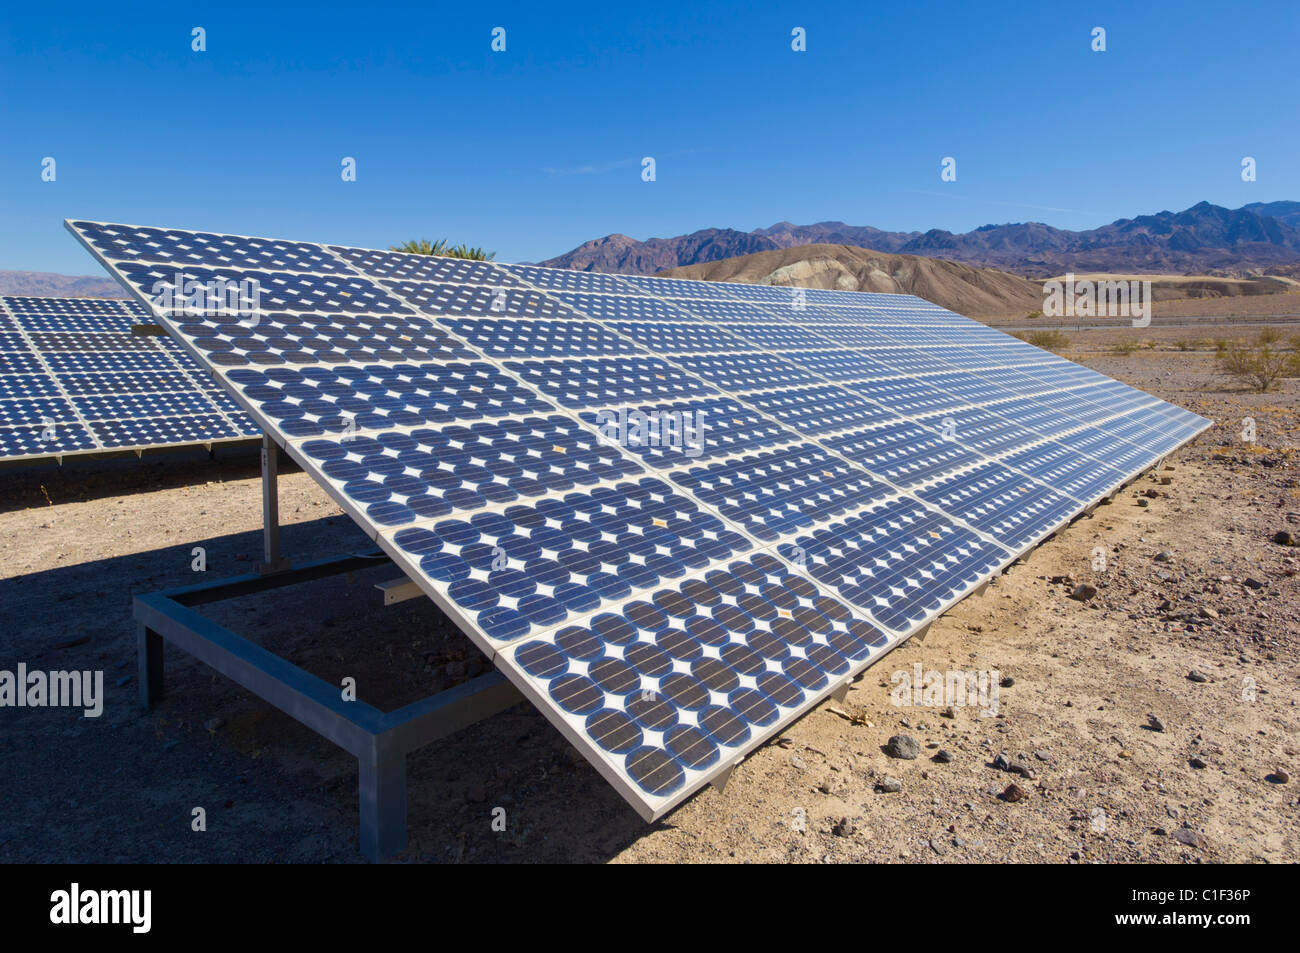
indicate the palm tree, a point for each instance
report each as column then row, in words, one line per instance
column 422, row 246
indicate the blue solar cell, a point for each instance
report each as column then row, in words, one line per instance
column 275, row 290
column 912, row 396
column 777, row 492
column 185, row 248
column 427, row 473
column 981, row 430
column 533, row 566
column 27, row 385
column 307, row 338
column 44, row 440
column 150, row 431
column 1084, row 478
column 818, row 410
column 1009, row 506
column 558, row 279
column 743, row 372
column 756, row 643
column 685, row 432
column 841, row 364
column 677, row 287
column 160, row 405
column 36, row 410
column 897, row 560
column 682, row 338
column 479, row 300
column 313, row 401
column 608, row 382
column 779, row 337
column 623, row 307
column 508, row 337
column 143, row 382
column 904, row 453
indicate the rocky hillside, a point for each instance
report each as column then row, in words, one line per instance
column 49, row 284
column 1199, row 239
column 967, row 290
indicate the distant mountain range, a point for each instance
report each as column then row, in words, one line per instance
column 1203, row 238
column 49, row 284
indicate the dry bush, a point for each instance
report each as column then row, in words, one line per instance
column 1047, row 340
column 1125, row 348
column 1259, row 365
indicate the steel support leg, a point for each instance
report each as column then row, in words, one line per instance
column 149, row 649
column 271, row 561
column 382, row 787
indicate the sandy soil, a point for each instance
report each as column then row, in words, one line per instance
column 1099, row 783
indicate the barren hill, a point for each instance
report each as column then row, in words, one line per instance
column 1259, row 236
column 950, row 284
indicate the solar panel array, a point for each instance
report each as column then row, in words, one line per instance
column 75, row 380
column 677, row 514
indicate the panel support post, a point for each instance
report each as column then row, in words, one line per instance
column 149, row 649
column 382, row 792
column 271, row 561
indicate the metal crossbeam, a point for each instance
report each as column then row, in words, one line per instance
column 379, row 740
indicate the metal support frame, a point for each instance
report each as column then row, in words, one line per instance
column 271, row 560
column 379, row 740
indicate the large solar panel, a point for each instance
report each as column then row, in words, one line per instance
column 676, row 514
column 74, row 379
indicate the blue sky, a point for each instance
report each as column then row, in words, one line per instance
column 533, row 150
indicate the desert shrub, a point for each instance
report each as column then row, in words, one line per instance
column 1047, row 340
column 1259, row 365
column 1220, row 345
column 1125, row 348
column 1190, row 344
column 1269, row 336
column 1034, row 314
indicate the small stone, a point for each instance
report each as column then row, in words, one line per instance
column 903, row 746
column 1144, row 503
column 1164, row 557
column 1196, row 762
column 1283, row 538
column 844, row 828
column 1155, row 723
column 1280, row 776
column 1195, row 676
column 1007, row 681
column 1014, row 793
column 1252, row 583
column 1022, row 769
column 1042, row 755
column 938, row 848
column 1083, row 592
column 1002, row 762
column 889, row 785
column 1206, row 612
column 1189, row 837
column 212, row 724
column 798, row 762
column 943, row 756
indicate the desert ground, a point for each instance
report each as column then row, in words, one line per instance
column 1194, row 622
